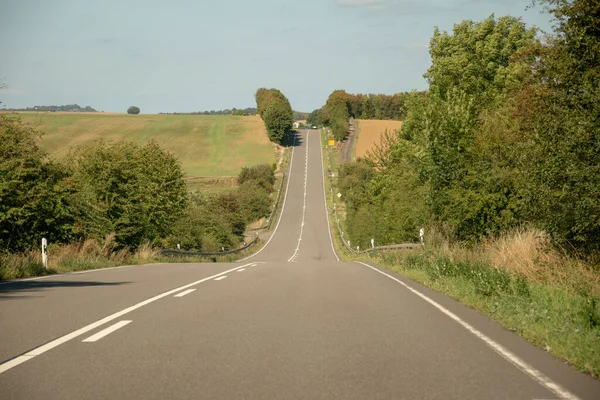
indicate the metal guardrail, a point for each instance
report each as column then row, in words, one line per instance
column 341, row 233
column 184, row 253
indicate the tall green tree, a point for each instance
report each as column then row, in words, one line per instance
column 560, row 108
column 276, row 112
column 34, row 192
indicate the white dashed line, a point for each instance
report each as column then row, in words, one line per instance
column 242, row 269
column 185, row 292
column 221, row 277
column 293, row 257
column 63, row 339
column 105, row 332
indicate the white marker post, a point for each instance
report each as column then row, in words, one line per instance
column 178, row 246
column 422, row 235
column 372, row 243
column 358, row 249
column 44, row 254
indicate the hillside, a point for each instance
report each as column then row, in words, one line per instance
column 205, row 145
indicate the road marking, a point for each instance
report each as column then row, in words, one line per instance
column 498, row 348
column 241, row 269
column 325, row 200
column 221, row 277
column 287, row 186
column 184, row 293
column 63, row 339
column 105, row 332
column 293, row 257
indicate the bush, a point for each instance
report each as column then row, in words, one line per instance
column 262, row 175
column 208, row 224
column 133, row 110
column 254, row 201
column 135, row 192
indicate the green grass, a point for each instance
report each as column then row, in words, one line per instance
column 205, row 145
column 563, row 322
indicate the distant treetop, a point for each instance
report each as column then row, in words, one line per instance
column 133, row 110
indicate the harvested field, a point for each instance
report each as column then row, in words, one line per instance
column 370, row 132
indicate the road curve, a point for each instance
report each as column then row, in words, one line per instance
column 291, row 322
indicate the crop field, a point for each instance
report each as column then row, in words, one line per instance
column 207, row 146
column 370, row 132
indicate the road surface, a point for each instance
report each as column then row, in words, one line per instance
column 291, row 322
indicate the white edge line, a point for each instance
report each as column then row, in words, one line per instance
column 185, row 292
column 498, row 348
column 106, row 332
column 325, row 199
column 220, row 278
column 287, row 186
column 57, row 342
column 241, row 269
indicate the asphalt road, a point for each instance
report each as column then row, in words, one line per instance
column 291, row 322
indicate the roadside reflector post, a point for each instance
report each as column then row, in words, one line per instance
column 372, row 243
column 358, row 249
column 44, row 252
column 422, row 235
column 178, row 246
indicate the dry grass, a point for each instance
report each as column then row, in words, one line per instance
column 530, row 253
column 87, row 254
column 527, row 252
column 370, row 132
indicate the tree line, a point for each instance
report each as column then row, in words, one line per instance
column 53, row 108
column 136, row 193
column 506, row 135
column 275, row 110
column 342, row 106
column 227, row 111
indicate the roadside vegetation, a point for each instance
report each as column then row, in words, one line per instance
column 341, row 106
column 499, row 160
column 107, row 203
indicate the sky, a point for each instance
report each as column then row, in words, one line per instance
column 196, row 55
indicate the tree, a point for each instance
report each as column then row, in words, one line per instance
column 276, row 112
column 34, row 192
column 135, row 192
column 133, row 110
column 560, row 105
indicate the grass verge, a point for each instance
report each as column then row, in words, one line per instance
column 91, row 254
column 562, row 319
